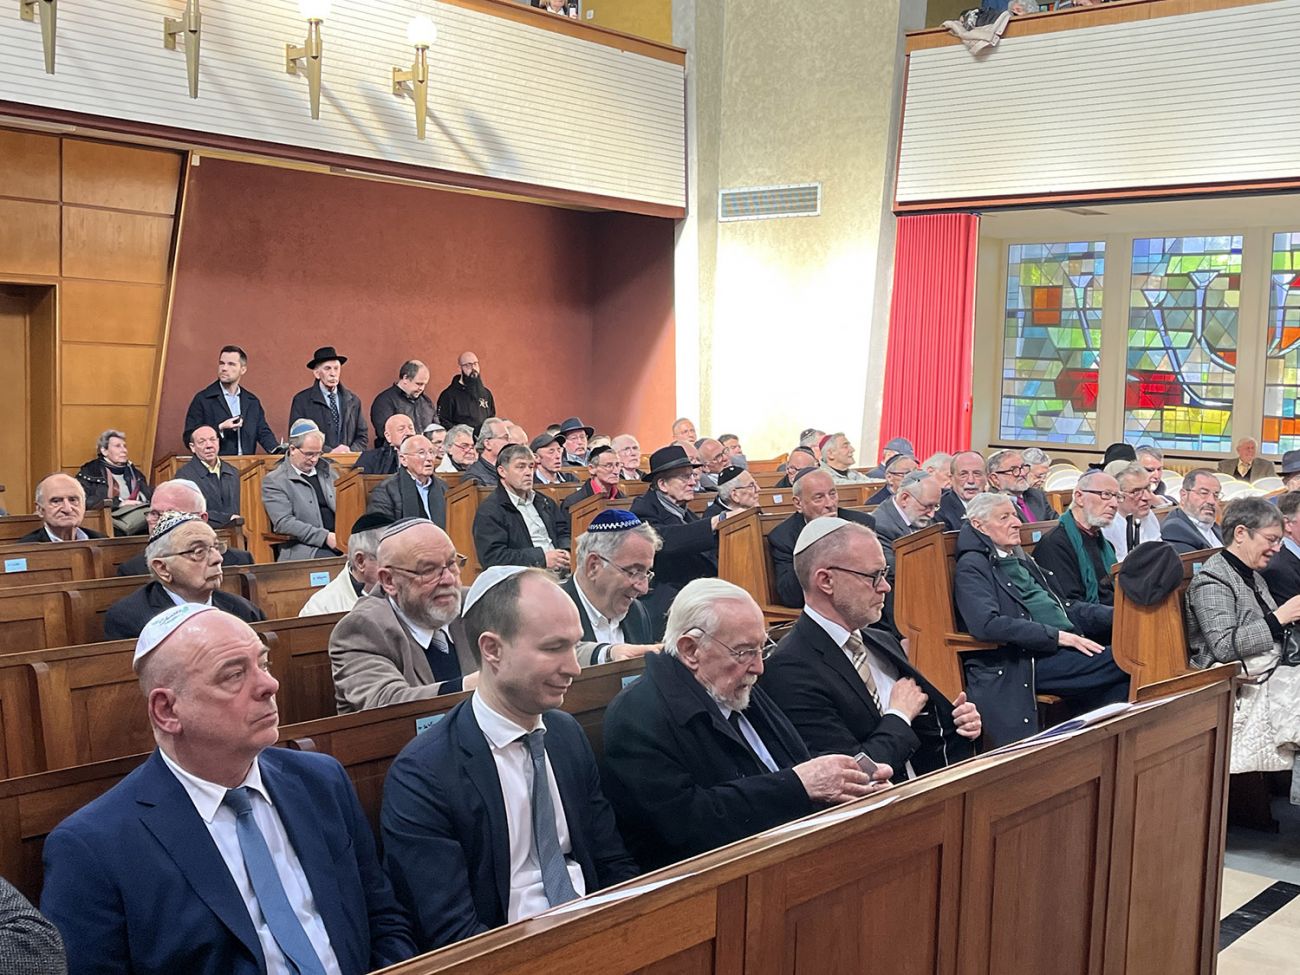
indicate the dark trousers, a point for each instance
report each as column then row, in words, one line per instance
column 1086, row 682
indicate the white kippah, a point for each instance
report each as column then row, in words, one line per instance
column 162, row 626
column 816, row 530
column 486, row 580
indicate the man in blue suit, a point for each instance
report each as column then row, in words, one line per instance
column 469, row 841
column 220, row 855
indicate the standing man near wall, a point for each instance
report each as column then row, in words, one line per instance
column 334, row 408
column 404, row 396
column 466, row 400
column 234, row 412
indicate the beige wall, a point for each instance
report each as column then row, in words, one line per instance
column 781, row 323
column 640, row 18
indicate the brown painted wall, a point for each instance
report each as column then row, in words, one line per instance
column 281, row 262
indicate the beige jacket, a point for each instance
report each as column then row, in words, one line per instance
column 338, row 596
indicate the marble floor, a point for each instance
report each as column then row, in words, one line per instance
column 1260, row 907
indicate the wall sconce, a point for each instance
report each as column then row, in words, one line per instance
column 309, row 52
column 421, row 32
column 49, row 13
column 186, row 28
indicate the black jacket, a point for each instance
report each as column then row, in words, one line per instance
column 781, row 542
column 816, row 686
column 1001, row 681
column 580, row 495
column 392, row 401
column 309, row 404
column 1038, row 505
column 379, row 460
column 136, row 565
column 399, row 498
column 637, row 626
column 457, row 405
column 1283, row 575
column 209, row 409
column 1055, row 554
column 1177, row 529
column 682, row 780
column 952, row 512
column 690, row 551
column 41, row 535
column 481, row 472
column 93, row 476
column 127, row 617
column 220, row 491
column 501, row 536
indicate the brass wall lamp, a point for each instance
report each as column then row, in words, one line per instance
column 309, row 52
column 49, row 14
column 422, row 33
column 186, row 29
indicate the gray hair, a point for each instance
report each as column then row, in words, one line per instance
column 952, row 466
column 1252, row 514
column 1130, row 470
column 1247, row 440
column 510, row 451
column 365, row 543
column 1151, row 450
column 696, row 608
column 936, row 461
column 157, row 549
column 1034, row 455
column 492, row 427
column 458, row 429
column 983, row 505
column 626, row 441
column 1189, row 479
column 911, row 483
column 995, row 461
column 725, row 491
column 801, row 485
column 607, row 544
column 102, row 443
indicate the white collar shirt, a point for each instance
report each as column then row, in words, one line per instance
column 532, row 520
column 1117, row 533
column 514, row 767
column 181, row 601
column 604, row 629
column 78, row 536
column 750, row 734
column 420, row 634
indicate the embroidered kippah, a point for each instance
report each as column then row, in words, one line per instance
column 614, row 520
column 397, row 527
column 299, row 427
column 170, row 520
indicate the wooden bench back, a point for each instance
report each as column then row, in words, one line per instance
column 281, row 589
column 462, row 506
column 37, row 563
column 745, row 559
column 14, row 527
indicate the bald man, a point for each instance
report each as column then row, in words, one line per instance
column 404, row 643
column 466, row 400
column 177, row 495
column 220, row 855
column 61, row 503
column 383, row 459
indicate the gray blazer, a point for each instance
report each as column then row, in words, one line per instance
column 29, row 943
column 1224, row 621
column 292, row 508
column 376, row 660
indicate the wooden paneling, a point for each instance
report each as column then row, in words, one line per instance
column 82, row 425
column 109, row 311
column 115, row 375
column 15, row 310
column 115, row 246
column 29, row 166
column 29, row 238
column 121, row 177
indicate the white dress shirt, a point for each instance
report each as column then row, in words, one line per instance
column 536, row 527
column 77, row 536
column 220, row 822
column 750, row 734
column 604, row 629
column 422, row 635
column 1117, row 533
column 514, row 766
column 181, row 601
column 882, row 670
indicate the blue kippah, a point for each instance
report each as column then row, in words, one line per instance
column 299, row 427
column 614, row 520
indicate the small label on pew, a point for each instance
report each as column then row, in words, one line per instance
column 1196, row 567
column 778, row 498
column 319, row 579
column 427, row 722
column 1036, row 536
column 15, row 565
column 630, row 678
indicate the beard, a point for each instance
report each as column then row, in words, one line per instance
column 427, row 613
column 473, row 383
column 739, row 700
column 923, row 521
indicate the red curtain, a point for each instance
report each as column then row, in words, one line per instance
column 931, row 329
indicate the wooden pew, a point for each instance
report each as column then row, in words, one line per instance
column 365, row 743
column 281, row 589
column 462, row 506
column 37, row 563
column 165, row 468
column 256, row 524
column 300, row 661
column 14, row 527
column 744, row 558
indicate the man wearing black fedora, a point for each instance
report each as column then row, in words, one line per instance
column 575, row 435
column 690, row 549
column 334, row 408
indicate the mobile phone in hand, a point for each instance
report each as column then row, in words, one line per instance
column 865, row 763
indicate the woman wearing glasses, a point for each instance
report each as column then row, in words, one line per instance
column 1232, row 618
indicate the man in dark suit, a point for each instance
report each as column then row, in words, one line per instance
column 383, row 460
column 798, row 459
column 1193, row 525
column 218, row 481
column 496, row 814
column 848, row 687
column 517, row 525
column 896, row 468
column 910, row 509
column 815, row 496
column 1009, row 474
column 414, row 491
column 234, row 412
column 334, row 408
column 615, row 555
column 1283, row 571
column 968, row 480
column 405, row 397
column 183, row 496
column 602, row 479
column 220, row 855
column 697, row 756
column 184, row 558
column 61, row 503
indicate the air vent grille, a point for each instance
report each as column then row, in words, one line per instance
column 767, row 202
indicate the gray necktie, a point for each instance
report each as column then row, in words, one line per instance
column 546, row 836
column 338, row 419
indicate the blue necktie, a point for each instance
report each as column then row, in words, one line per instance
column 271, row 898
column 338, row 420
column 546, row 837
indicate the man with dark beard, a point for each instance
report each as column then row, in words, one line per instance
column 466, row 400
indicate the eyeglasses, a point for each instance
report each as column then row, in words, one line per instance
column 434, row 572
column 1273, row 540
column 1207, row 493
column 309, row 454
column 1013, row 470
column 1136, row 493
column 1104, row 495
column 199, row 553
column 873, row 578
column 608, row 467
column 746, row 655
column 634, row 574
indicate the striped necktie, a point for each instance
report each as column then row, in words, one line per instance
column 858, row 654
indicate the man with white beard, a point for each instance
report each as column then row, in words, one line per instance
column 1077, row 554
column 910, row 510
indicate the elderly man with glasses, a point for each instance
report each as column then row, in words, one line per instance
column 912, row 508
column 1135, row 522
column 184, row 558
column 414, row 491
column 1008, row 474
column 298, row 496
column 1077, row 551
column 847, row 686
column 1193, row 525
column 404, row 642
column 696, row 755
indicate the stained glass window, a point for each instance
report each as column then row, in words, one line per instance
column 1182, row 342
column 1282, row 368
column 1052, row 342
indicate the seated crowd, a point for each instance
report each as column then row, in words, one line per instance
column 261, row 857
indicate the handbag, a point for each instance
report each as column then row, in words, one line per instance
column 1290, row 648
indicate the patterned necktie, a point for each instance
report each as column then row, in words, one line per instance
column 285, row 927
column 858, row 654
column 546, row 837
column 333, row 398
